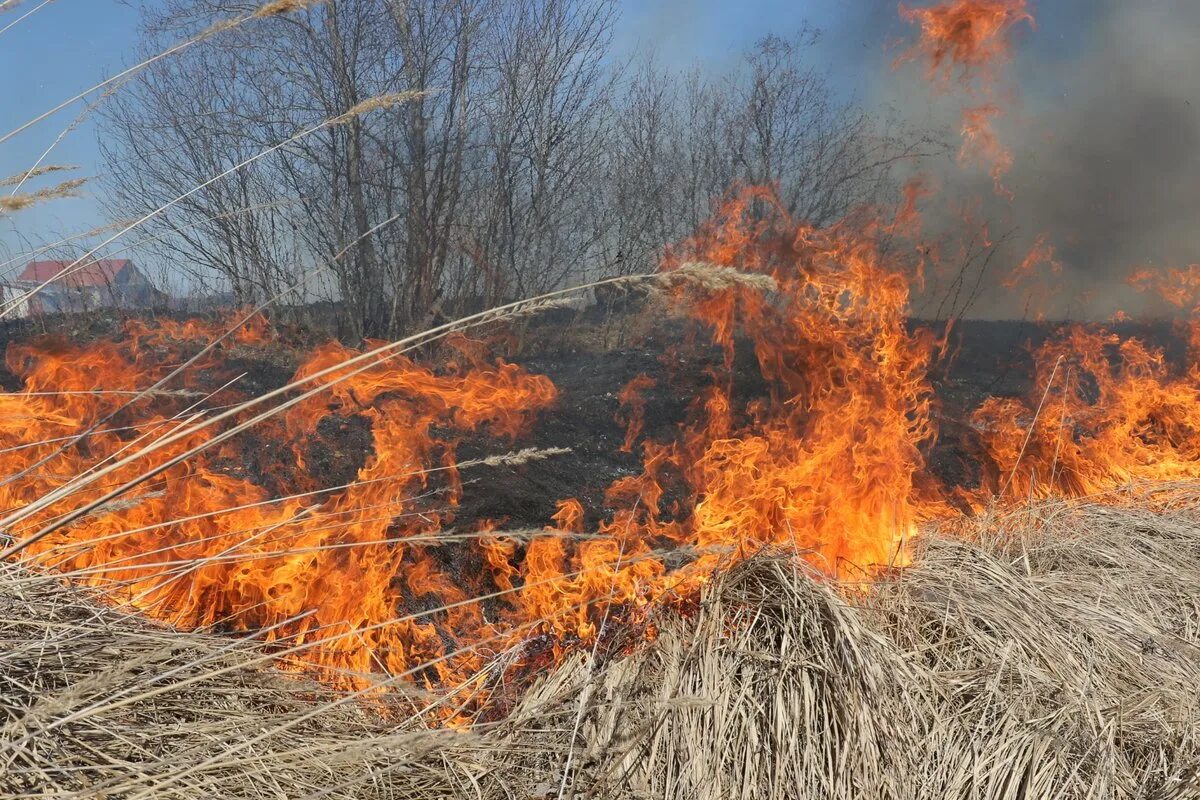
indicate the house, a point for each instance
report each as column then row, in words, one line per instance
column 89, row 285
column 14, row 304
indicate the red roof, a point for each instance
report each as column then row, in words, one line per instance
column 98, row 272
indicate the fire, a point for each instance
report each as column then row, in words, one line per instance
column 1105, row 411
column 1178, row 286
column 1042, row 253
column 827, row 465
column 965, row 39
column 982, row 145
column 367, row 583
column 361, row 581
column 371, row 585
column 965, row 42
column 203, row 546
column 633, row 403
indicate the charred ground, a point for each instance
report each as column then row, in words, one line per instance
column 590, row 356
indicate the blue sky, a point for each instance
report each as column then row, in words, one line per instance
column 53, row 54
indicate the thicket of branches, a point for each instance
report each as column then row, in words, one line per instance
column 538, row 157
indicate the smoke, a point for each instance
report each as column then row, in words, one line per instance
column 1101, row 112
column 1110, row 168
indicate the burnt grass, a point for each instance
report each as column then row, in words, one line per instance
column 590, row 357
column 989, row 359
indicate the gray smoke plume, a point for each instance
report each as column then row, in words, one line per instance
column 1104, row 126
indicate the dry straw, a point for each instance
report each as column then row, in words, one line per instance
column 19, row 202
column 278, row 7
column 1047, row 653
column 14, row 180
column 378, row 103
column 715, row 278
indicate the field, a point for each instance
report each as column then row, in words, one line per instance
column 1044, row 650
column 1050, row 652
column 439, row 399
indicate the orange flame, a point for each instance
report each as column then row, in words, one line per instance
column 969, row 37
column 1178, row 286
column 1041, row 253
column 202, row 546
column 1105, row 411
column 632, row 398
column 980, row 144
column 965, row 42
column 366, row 582
column 359, row 574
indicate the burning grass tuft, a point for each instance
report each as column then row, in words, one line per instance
column 1047, row 652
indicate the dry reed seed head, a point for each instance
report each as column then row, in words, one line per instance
column 36, row 172
column 8, row 5
column 537, row 307
column 523, row 456
column 124, row 503
column 274, row 8
column 17, row 202
column 379, row 102
column 277, row 7
column 716, row 278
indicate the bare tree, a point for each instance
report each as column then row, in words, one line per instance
column 536, row 158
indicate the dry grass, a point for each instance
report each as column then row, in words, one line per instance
column 1049, row 653
column 274, row 8
column 19, row 202
column 1057, row 660
column 36, row 172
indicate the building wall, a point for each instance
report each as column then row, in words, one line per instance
column 10, row 293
